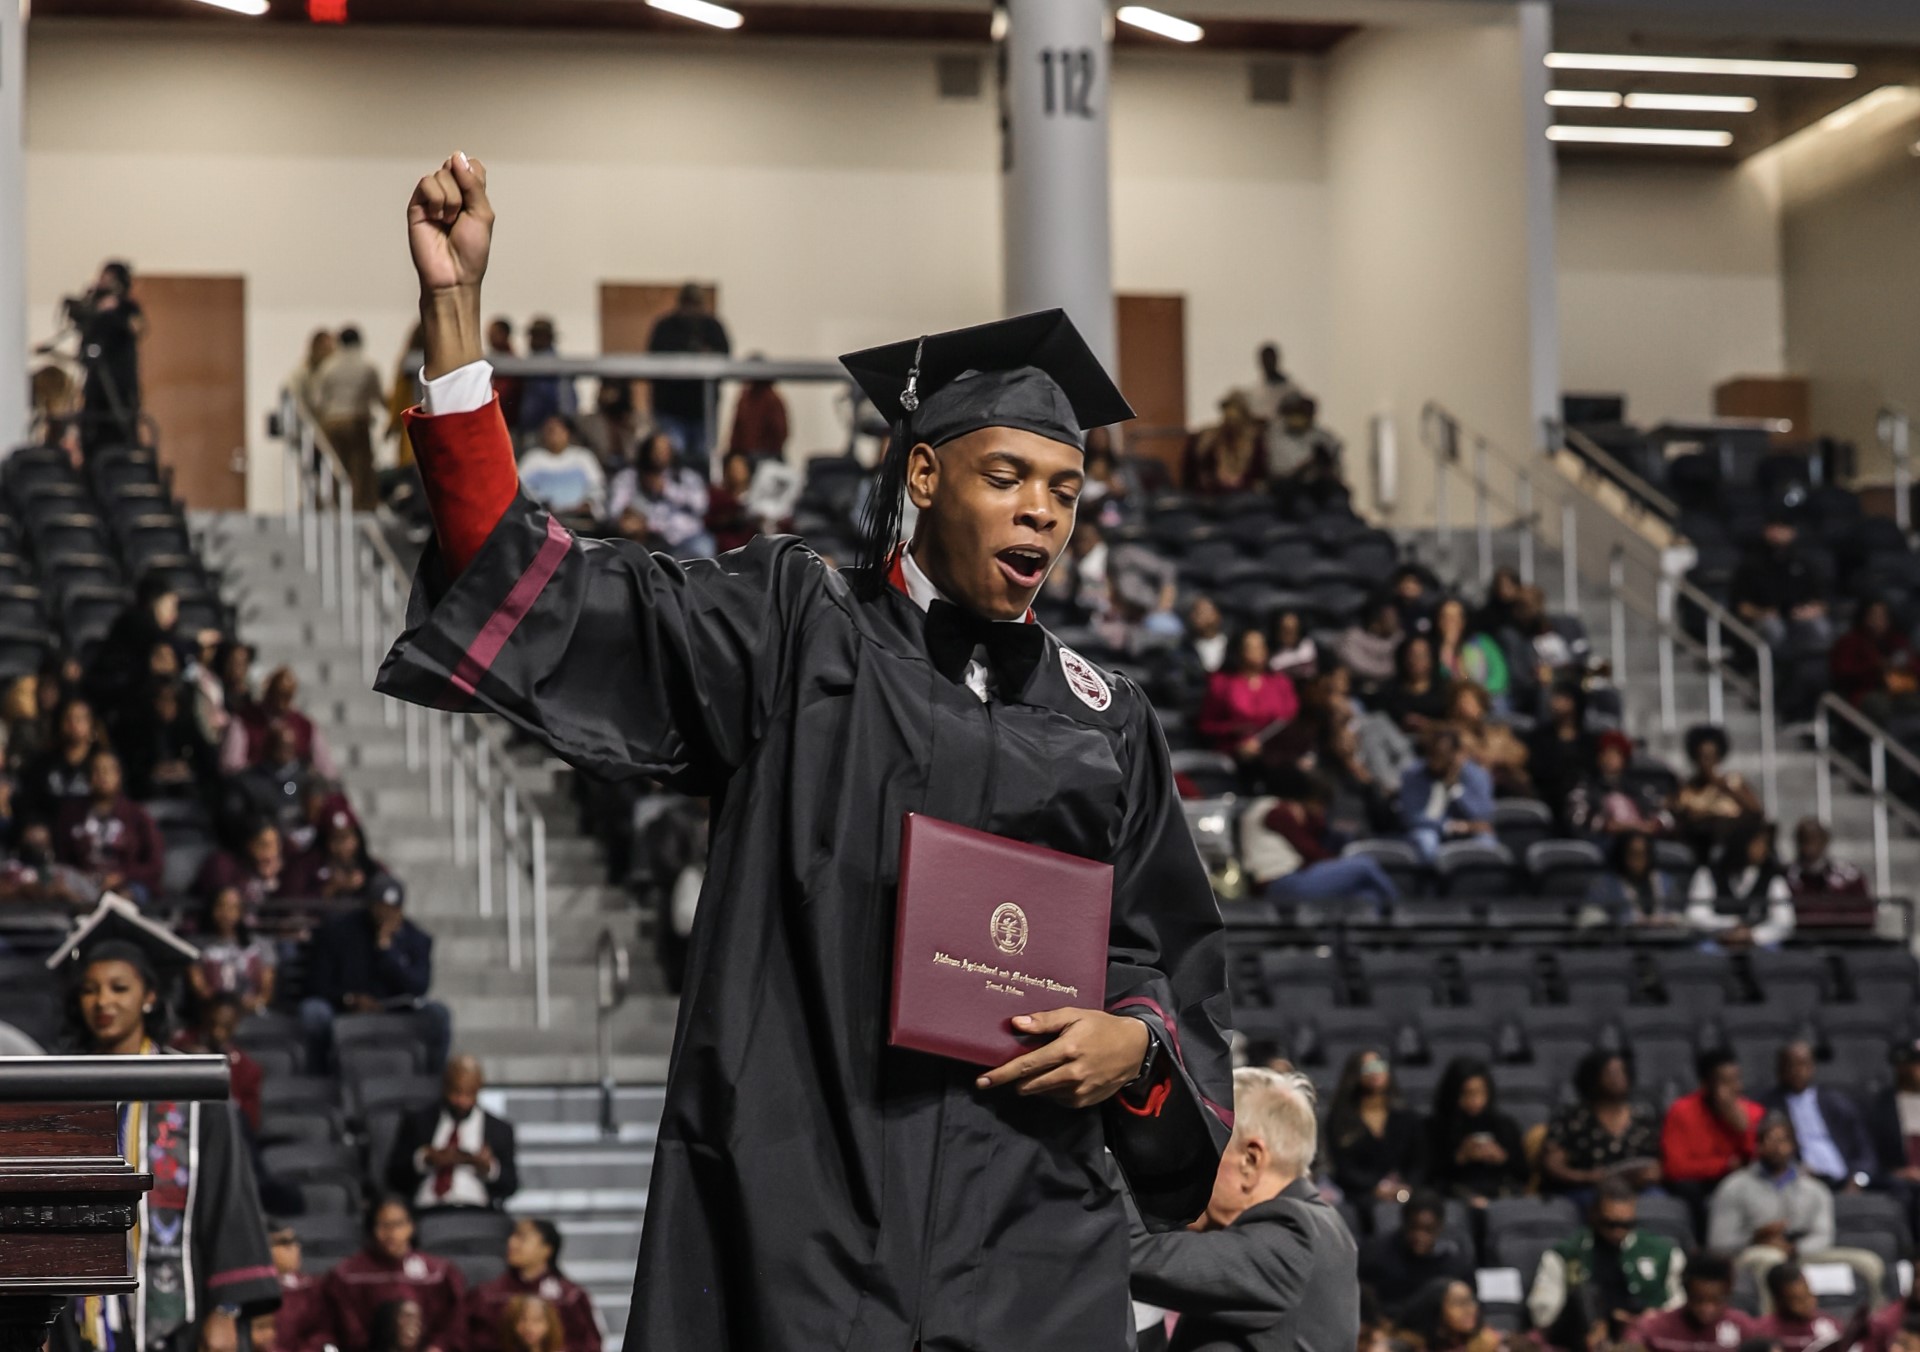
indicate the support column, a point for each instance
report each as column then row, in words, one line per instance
column 1543, row 288
column 1057, row 204
column 13, row 224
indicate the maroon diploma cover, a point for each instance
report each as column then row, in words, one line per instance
column 987, row 928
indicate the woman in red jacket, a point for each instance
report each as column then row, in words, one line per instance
column 388, row 1269
column 1872, row 665
column 533, row 1254
column 1246, row 699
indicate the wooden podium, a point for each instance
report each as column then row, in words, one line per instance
column 67, row 1196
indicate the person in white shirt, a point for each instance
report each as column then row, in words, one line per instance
column 560, row 474
column 1744, row 901
column 455, row 1153
column 672, row 497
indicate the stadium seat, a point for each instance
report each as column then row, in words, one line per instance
column 1498, row 981
column 1597, row 978
column 1521, row 823
column 464, row 1230
column 1399, row 981
column 1565, row 868
column 1213, row 772
column 1401, row 861
column 479, row 1268
column 1879, row 977
column 1476, row 868
column 1695, row 981
column 1791, row 980
column 1667, row 1216
column 1299, row 981
column 311, row 1162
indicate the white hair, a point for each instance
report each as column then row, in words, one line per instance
column 1275, row 1107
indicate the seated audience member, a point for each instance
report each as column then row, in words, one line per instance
column 729, row 521
column 1776, row 590
column 389, row 1269
column 258, row 872
column 274, row 788
column 1632, row 1270
column 1303, row 457
column 533, row 1269
column 301, row 1324
column 1896, row 1326
column 1835, row 1145
column 1712, row 802
column 1632, row 891
column 612, row 430
column 1604, row 1133
column 1445, row 1317
column 1294, row 654
column 1797, row 1322
column 759, row 429
column 1228, row 457
column 369, row 960
column 1269, row 1264
column 529, row 1324
column 233, row 666
column 33, row 876
column 672, row 497
column 1705, row 1319
column 1488, row 744
column 164, row 750
column 1446, row 796
column 1286, row 852
column 109, row 837
column 454, row 1152
column 1743, row 901
column 397, row 1326
column 1710, row 1132
column 1606, row 803
column 1496, row 611
column 1816, row 873
column 121, row 660
column 321, row 804
column 1369, row 650
column 59, row 774
column 1416, row 697
column 1375, row 1145
column 1560, row 751
column 1893, row 1120
column 275, row 707
column 216, row 1019
column 1583, row 1325
column 1396, row 1265
column 1245, row 700
column 233, row 961
column 562, row 475
column 1126, row 591
column 1202, row 652
column 24, row 724
column 1416, row 591
column 1773, row 1210
column 340, row 867
column 1467, row 656
column 1474, row 1150
column 1872, row 665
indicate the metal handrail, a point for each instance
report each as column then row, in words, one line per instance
column 1873, row 779
column 613, row 970
column 1589, row 449
column 1635, row 568
column 363, row 578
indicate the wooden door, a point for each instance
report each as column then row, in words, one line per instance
column 193, row 383
column 627, row 314
column 1153, row 375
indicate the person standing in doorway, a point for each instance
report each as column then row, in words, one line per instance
column 680, row 406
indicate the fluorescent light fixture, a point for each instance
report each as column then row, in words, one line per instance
column 1692, row 103
column 1640, row 136
column 1865, row 106
column 1583, row 98
column 1165, row 25
column 1700, row 65
column 700, row 12
column 251, row 8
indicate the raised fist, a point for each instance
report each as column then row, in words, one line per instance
column 450, row 226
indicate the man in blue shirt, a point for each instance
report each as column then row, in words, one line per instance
column 1835, row 1145
column 1446, row 796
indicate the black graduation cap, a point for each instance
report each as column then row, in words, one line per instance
column 1033, row 372
column 116, row 930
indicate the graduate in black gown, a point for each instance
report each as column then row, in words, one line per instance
column 811, row 1187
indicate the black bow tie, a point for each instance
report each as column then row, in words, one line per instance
column 1013, row 650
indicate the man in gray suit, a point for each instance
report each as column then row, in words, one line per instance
column 1269, row 1267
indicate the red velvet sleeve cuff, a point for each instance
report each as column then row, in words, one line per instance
column 469, row 475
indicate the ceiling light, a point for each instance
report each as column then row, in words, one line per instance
column 1692, row 103
column 700, row 12
column 1165, row 25
column 1583, row 98
column 1701, row 65
column 253, row 8
column 1640, row 136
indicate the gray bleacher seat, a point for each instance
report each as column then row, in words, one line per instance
column 1882, row 977
column 1694, row 980
column 1295, row 980
column 1401, row 861
column 1400, row 981
column 1792, row 979
column 1668, row 1216
column 1597, row 978
column 1564, row 868
column 293, row 1125
column 1476, row 868
column 462, row 1230
column 1434, row 913
column 1213, row 772
column 1525, row 912
column 1500, row 981
column 1637, row 1021
column 1522, row 822
column 1858, row 1065
column 1521, row 1252
column 480, row 1268
column 276, row 1061
column 361, row 1062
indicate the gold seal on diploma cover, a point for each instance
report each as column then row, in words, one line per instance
column 1008, row 928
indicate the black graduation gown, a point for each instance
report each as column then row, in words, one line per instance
column 811, row 1187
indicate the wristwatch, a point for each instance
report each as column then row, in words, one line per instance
column 1146, row 1062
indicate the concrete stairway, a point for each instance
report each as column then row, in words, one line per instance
column 493, row 1006
column 1795, row 759
column 594, row 1187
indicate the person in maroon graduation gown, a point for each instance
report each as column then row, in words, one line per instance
column 811, row 1187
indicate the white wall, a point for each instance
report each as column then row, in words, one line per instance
column 1427, row 172
column 1670, row 281
column 834, row 197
